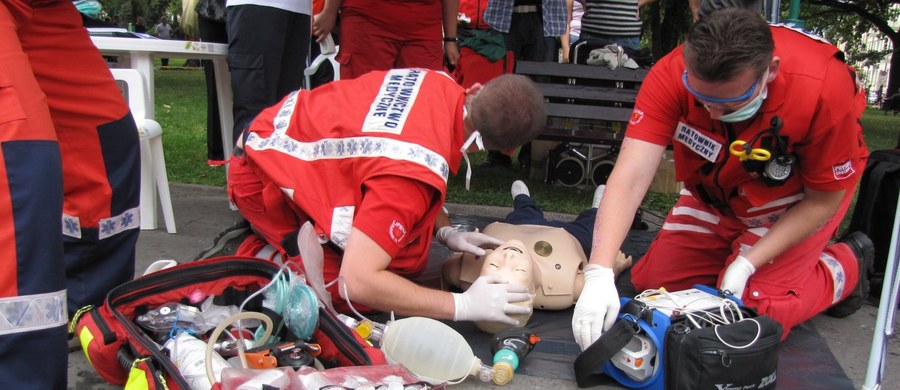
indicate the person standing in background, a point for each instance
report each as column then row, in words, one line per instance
column 139, row 25
column 382, row 35
column 163, row 31
column 268, row 42
column 575, row 9
column 532, row 29
column 613, row 22
column 211, row 26
column 69, row 188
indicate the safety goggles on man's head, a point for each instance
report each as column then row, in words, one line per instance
column 723, row 103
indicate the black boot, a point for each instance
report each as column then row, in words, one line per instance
column 864, row 250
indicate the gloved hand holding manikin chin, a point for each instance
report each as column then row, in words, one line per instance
column 557, row 262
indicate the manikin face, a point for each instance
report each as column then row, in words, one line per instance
column 512, row 261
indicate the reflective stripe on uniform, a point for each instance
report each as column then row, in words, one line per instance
column 108, row 227
column 352, row 147
column 686, row 227
column 837, row 275
column 32, row 312
column 698, row 214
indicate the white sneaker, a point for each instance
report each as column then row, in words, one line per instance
column 598, row 194
column 519, row 188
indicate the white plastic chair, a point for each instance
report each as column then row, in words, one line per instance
column 153, row 163
column 328, row 52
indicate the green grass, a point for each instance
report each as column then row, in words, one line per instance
column 181, row 110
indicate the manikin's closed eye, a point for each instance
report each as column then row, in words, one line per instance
column 513, row 249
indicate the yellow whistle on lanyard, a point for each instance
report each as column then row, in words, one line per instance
column 742, row 150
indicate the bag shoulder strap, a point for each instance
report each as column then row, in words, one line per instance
column 589, row 364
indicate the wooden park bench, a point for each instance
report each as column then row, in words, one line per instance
column 588, row 108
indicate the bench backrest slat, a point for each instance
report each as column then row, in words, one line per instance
column 581, row 92
column 584, row 103
column 536, row 68
column 580, row 111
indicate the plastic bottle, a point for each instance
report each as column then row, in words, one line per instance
column 509, row 347
column 369, row 330
column 431, row 350
column 163, row 318
column 189, row 355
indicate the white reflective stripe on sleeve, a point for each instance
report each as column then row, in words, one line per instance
column 698, row 214
column 685, row 227
column 341, row 223
column 837, row 275
column 32, row 312
column 777, row 203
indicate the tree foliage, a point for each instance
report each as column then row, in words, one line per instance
column 847, row 21
column 150, row 10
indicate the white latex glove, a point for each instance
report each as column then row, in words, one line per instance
column 735, row 279
column 597, row 306
column 470, row 242
column 490, row 298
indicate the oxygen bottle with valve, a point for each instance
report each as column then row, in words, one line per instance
column 432, row 350
column 508, row 348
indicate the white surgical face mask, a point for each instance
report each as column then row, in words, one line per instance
column 749, row 109
column 476, row 138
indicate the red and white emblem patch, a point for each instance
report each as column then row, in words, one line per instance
column 636, row 116
column 843, row 170
column 397, row 232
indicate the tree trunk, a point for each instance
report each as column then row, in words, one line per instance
column 893, row 84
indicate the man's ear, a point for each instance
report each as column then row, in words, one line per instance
column 773, row 68
column 474, row 89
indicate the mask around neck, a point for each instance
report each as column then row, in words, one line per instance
column 476, row 138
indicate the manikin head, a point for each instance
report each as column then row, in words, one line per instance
column 513, row 262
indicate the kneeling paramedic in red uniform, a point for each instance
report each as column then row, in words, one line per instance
column 366, row 161
column 69, row 186
column 765, row 127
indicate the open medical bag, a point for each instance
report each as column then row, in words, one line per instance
column 655, row 345
column 126, row 353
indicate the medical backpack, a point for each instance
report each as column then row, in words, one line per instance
column 125, row 354
column 876, row 205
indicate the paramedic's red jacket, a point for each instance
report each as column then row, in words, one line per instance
column 826, row 136
column 372, row 153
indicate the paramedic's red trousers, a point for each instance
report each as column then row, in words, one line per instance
column 697, row 243
column 69, row 186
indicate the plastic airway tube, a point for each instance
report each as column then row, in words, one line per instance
column 226, row 323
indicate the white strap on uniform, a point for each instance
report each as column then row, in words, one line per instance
column 32, row 312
